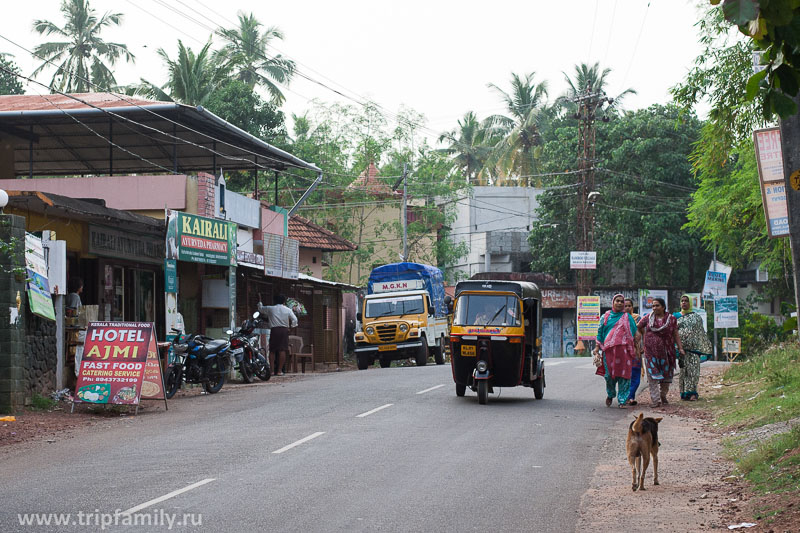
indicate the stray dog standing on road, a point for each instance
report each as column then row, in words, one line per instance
column 642, row 442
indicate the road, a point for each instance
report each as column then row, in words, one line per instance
column 377, row 450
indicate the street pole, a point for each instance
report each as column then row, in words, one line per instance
column 716, row 357
column 405, row 213
column 790, row 140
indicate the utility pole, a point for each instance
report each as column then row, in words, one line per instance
column 790, row 140
column 405, row 209
column 589, row 103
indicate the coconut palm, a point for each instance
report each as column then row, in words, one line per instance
column 192, row 77
column 83, row 58
column 467, row 146
column 245, row 54
column 589, row 78
column 515, row 156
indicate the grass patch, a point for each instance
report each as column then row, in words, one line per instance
column 772, row 465
column 42, row 403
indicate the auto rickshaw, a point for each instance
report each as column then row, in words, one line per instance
column 495, row 339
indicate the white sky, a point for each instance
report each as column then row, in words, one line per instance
column 433, row 56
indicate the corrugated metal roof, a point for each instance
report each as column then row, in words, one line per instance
column 38, row 102
column 311, row 235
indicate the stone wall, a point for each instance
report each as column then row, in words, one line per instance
column 41, row 356
column 13, row 386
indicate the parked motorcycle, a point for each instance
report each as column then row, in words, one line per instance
column 245, row 347
column 197, row 359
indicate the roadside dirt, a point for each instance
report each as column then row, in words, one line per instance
column 697, row 492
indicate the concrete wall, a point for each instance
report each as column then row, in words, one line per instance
column 13, row 386
column 41, row 358
column 307, row 263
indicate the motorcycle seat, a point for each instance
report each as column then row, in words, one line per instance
column 214, row 346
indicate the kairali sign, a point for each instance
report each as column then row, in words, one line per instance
column 201, row 240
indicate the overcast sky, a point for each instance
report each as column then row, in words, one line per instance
column 433, row 56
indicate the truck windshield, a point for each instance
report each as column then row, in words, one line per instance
column 486, row 310
column 394, row 306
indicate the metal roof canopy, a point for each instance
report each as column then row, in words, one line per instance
column 74, row 138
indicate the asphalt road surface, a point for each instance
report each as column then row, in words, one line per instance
column 378, row 450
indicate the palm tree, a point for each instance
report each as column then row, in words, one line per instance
column 83, row 58
column 516, row 154
column 589, row 78
column 245, row 53
column 467, row 146
column 192, row 77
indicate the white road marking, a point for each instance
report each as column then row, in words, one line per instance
column 362, row 415
column 432, row 388
column 299, row 442
column 167, row 496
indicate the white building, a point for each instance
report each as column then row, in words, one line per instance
column 495, row 223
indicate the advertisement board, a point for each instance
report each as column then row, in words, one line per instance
column 726, row 312
column 646, row 297
column 716, row 285
column 199, row 239
column 583, row 260
column 114, row 358
column 38, row 286
column 769, row 156
column 588, row 317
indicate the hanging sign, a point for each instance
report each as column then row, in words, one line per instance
column 114, row 358
column 588, row 317
column 769, row 156
column 646, row 297
column 716, row 285
column 38, row 286
column 583, row 260
column 726, row 312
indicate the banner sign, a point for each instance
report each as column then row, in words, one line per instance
column 704, row 316
column 113, row 366
column 696, row 299
column 726, row 312
column 588, row 317
column 773, row 183
column 123, row 244
column 170, row 275
column 392, row 286
column 716, row 285
column 583, row 260
column 646, row 297
column 200, row 240
column 153, row 382
column 38, row 286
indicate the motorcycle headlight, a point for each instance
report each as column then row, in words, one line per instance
column 481, row 366
column 370, row 330
column 403, row 328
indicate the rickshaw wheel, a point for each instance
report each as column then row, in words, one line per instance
column 483, row 392
column 538, row 387
column 460, row 389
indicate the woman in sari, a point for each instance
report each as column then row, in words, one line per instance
column 617, row 336
column 636, row 372
column 695, row 343
column 660, row 331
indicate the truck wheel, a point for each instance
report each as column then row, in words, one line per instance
column 422, row 353
column 385, row 362
column 438, row 355
column 460, row 389
column 483, row 392
column 362, row 361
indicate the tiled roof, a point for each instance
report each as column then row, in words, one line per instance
column 368, row 181
column 311, row 235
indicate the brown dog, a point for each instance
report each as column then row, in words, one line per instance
column 641, row 444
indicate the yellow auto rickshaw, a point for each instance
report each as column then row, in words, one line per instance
column 495, row 339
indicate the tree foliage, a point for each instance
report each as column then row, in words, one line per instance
column 9, row 82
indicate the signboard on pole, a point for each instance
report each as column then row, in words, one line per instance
column 646, row 297
column 113, row 366
column 769, row 156
column 38, row 286
column 588, row 317
column 726, row 312
column 583, row 260
column 716, row 285
column 731, row 345
column 200, row 239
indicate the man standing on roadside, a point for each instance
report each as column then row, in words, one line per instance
column 280, row 319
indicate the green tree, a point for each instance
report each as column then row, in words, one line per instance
column 193, row 78
column 516, row 156
column 9, row 82
column 467, row 147
column 245, row 54
column 83, row 59
column 591, row 77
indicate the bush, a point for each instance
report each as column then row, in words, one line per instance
column 42, row 402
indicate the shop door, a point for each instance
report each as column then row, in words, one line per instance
column 140, row 296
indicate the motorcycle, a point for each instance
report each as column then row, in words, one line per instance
column 197, row 359
column 247, row 353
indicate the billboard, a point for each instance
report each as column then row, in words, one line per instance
column 199, row 239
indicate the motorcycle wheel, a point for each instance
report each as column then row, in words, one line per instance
column 173, row 381
column 261, row 367
column 216, row 377
column 246, row 370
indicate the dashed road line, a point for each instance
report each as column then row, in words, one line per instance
column 430, row 389
column 299, row 442
column 167, row 496
column 362, row 415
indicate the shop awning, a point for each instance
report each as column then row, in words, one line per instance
column 108, row 133
column 336, row 284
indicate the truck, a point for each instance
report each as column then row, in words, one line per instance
column 403, row 316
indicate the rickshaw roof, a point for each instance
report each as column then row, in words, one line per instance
column 523, row 289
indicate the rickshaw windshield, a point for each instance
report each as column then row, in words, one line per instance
column 486, row 310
